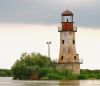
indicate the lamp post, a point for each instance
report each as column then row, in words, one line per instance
column 48, row 43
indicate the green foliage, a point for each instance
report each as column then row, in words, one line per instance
column 89, row 74
column 53, row 74
column 82, row 77
column 5, row 73
column 98, row 76
column 29, row 65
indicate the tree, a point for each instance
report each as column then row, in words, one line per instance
column 29, row 65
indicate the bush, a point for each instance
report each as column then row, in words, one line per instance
column 82, row 77
column 98, row 76
column 53, row 76
column 29, row 65
column 5, row 73
column 89, row 74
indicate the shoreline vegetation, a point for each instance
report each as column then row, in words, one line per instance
column 35, row 66
column 5, row 73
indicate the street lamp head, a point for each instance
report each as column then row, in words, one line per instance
column 48, row 42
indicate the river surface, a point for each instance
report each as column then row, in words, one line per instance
column 9, row 82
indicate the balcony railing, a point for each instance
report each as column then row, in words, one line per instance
column 59, row 29
column 74, row 29
column 80, row 61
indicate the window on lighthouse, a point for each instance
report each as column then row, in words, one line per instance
column 61, row 57
column 62, row 41
column 74, row 57
column 70, row 19
column 67, row 18
column 73, row 41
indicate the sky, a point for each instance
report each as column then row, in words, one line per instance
column 26, row 26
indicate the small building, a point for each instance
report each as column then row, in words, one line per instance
column 68, row 57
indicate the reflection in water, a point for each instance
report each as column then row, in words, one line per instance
column 69, row 83
column 9, row 82
column 41, row 83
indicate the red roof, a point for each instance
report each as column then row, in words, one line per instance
column 67, row 13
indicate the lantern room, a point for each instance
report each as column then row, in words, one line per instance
column 67, row 21
column 67, row 16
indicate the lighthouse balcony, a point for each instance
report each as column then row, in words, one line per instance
column 60, row 29
column 80, row 61
column 75, row 29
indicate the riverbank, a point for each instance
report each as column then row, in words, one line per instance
column 85, row 74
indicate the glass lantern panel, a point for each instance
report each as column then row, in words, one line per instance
column 67, row 19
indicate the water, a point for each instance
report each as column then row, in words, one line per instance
column 9, row 82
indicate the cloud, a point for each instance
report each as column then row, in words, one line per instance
column 48, row 11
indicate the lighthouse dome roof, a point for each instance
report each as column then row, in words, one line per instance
column 67, row 13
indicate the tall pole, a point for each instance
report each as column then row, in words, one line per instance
column 48, row 43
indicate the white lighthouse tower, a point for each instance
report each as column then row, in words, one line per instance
column 68, row 57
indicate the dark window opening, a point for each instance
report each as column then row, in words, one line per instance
column 67, row 20
column 74, row 57
column 61, row 57
column 73, row 41
column 62, row 41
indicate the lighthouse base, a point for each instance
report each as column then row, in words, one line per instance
column 75, row 67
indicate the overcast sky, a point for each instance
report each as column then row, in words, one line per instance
column 48, row 11
column 26, row 26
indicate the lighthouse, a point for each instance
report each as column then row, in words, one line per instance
column 68, row 57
